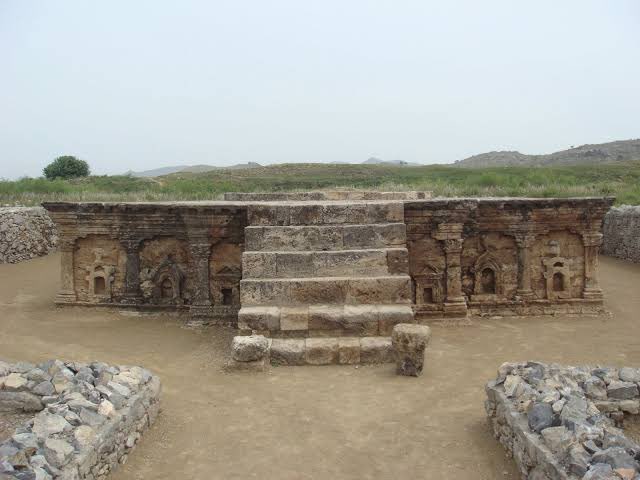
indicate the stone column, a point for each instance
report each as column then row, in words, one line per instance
column 67, row 292
column 450, row 234
column 132, row 294
column 591, row 242
column 524, row 243
column 201, row 302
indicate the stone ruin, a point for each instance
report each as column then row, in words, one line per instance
column 562, row 422
column 82, row 420
column 322, row 273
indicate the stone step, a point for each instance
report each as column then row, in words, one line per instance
column 325, row 237
column 331, row 351
column 324, row 320
column 325, row 263
column 325, row 213
column 326, row 290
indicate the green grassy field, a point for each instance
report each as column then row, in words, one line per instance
column 621, row 180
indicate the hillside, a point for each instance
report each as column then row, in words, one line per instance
column 620, row 179
column 157, row 172
column 591, row 154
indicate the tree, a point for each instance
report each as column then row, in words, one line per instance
column 66, row 166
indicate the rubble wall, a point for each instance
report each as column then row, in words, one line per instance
column 26, row 232
column 622, row 233
column 87, row 417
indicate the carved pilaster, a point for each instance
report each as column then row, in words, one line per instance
column 591, row 242
column 451, row 237
column 201, row 303
column 67, row 292
column 524, row 242
column 132, row 293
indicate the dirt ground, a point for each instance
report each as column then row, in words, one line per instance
column 313, row 422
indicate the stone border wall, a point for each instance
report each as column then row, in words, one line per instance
column 561, row 422
column 622, row 233
column 89, row 417
column 26, row 232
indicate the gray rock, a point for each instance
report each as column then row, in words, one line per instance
column 22, row 367
column 622, row 390
column 578, row 460
column 25, row 440
column 44, row 388
column 616, row 457
column 629, row 374
column 249, row 348
column 38, row 375
column 57, row 452
column 540, row 416
column 46, row 424
column 557, row 439
column 19, row 401
column 91, row 418
column 574, row 412
column 600, row 471
column 595, row 388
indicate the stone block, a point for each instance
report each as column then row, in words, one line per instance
column 259, row 318
column 294, row 318
column 325, row 317
column 321, row 351
column 391, row 315
column 348, row 351
column 249, row 348
column 409, row 344
column 288, row 351
column 361, row 319
column 376, row 350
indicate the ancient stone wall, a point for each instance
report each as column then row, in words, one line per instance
column 622, row 233
column 25, row 232
column 504, row 256
column 87, row 417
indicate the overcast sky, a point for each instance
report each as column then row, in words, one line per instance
column 143, row 84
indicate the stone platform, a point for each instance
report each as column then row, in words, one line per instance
column 333, row 264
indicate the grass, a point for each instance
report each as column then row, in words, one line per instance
column 620, row 180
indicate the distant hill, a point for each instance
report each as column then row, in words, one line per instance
column 612, row 152
column 157, row 172
column 377, row 161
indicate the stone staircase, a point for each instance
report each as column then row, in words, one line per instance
column 325, row 269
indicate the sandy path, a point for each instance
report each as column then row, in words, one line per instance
column 306, row 422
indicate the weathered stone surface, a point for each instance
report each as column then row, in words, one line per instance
column 249, row 348
column 19, row 401
column 540, row 416
column 348, row 351
column 622, row 390
column 57, row 452
column 290, row 351
column 409, row 342
column 321, row 351
column 376, row 350
column 622, row 233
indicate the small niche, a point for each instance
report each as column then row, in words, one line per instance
column 166, row 288
column 227, row 296
column 99, row 286
column 488, row 281
column 558, row 282
column 427, row 295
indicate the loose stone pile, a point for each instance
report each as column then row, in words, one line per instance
column 622, row 233
column 25, row 233
column 89, row 417
column 562, row 422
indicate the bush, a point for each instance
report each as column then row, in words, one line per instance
column 66, row 166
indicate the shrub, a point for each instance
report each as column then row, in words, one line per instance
column 66, row 166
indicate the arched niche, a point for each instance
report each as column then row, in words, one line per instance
column 99, row 278
column 488, row 278
column 557, row 274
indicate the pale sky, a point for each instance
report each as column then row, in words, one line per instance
column 144, row 84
